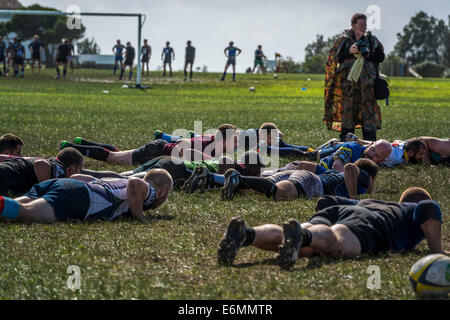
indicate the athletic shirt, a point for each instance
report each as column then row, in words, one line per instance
column 334, row 183
column 212, row 165
column 2, row 49
column 145, row 50
column 17, row 175
column 35, row 46
column 190, row 53
column 196, row 142
column 348, row 152
column 257, row 53
column 130, row 53
column 108, row 199
column 119, row 49
column 231, row 51
column 168, row 52
column 398, row 225
column 64, row 50
column 19, row 50
column 397, row 155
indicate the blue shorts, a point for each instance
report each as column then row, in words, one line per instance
column 119, row 58
column 69, row 198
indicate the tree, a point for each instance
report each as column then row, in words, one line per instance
column 288, row 65
column 425, row 38
column 51, row 29
column 316, row 54
column 88, row 47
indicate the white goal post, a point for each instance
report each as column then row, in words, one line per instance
column 139, row 17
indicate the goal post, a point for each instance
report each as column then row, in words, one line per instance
column 139, row 17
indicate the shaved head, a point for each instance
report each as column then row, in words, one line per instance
column 378, row 151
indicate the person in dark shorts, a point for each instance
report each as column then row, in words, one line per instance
column 18, row 175
column 35, row 47
column 166, row 56
column 259, row 55
column 2, row 56
column 129, row 58
column 86, row 198
column 231, row 52
column 9, row 57
column 19, row 58
column 198, row 148
column 118, row 55
column 189, row 60
column 62, row 57
column 146, row 55
column 343, row 227
column 358, row 178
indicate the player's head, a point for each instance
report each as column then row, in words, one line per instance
column 128, row 44
column 145, row 41
column 11, row 144
column 69, row 40
column 231, row 43
column 72, row 159
column 378, row 151
column 66, row 41
column 167, row 43
column 227, row 136
column 259, row 46
column 36, row 37
column 18, row 39
column 118, row 41
column 359, row 22
column 415, row 149
column 253, row 162
column 162, row 182
column 414, row 194
column 189, row 42
column 371, row 168
column 269, row 130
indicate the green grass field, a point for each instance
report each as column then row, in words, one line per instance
column 175, row 256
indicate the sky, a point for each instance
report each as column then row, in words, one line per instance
column 284, row 26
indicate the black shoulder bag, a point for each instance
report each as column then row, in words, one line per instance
column 381, row 86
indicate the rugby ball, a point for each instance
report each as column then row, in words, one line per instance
column 431, row 275
column 275, row 76
column 251, row 89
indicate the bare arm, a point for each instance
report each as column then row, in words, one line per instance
column 338, row 165
column 42, row 169
column 426, row 161
column 82, row 177
column 351, row 173
column 102, row 174
column 432, row 230
column 136, row 192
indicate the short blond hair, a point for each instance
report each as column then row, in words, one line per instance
column 414, row 194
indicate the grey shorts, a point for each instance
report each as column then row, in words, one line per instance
column 231, row 60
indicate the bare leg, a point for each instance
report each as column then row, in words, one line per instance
column 308, row 166
column 285, row 191
column 37, row 210
column 121, row 158
column 335, row 241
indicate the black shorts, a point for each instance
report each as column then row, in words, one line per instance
column 18, row 61
column 128, row 62
column 148, row 152
column 36, row 56
column 2, row 58
column 177, row 170
column 69, row 198
column 62, row 60
column 145, row 58
column 191, row 61
column 361, row 222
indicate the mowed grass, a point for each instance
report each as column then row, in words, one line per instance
column 175, row 256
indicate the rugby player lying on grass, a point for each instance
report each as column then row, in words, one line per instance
column 357, row 178
column 343, row 228
column 267, row 138
column 85, row 198
column 18, row 175
column 426, row 150
column 198, row 148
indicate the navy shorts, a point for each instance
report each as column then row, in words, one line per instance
column 148, row 151
column 69, row 198
column 231, row 60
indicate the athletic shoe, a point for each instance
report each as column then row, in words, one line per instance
column 64, row 144
column 78, row 140
column 231, row 241
column 292, row 242
column 231, row 184
column 157, row 135
column 197, row 180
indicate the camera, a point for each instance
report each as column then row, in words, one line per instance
column 363, row 46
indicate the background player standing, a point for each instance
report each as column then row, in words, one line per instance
column 19, row 57
column 129, row 58
column 118, row 53
column 62, row 56
column 259, row 55
column 146, row 54
column 3, row 56
column 166, row 55
column 35, row 48
column 189, row 59
column 231, row 49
